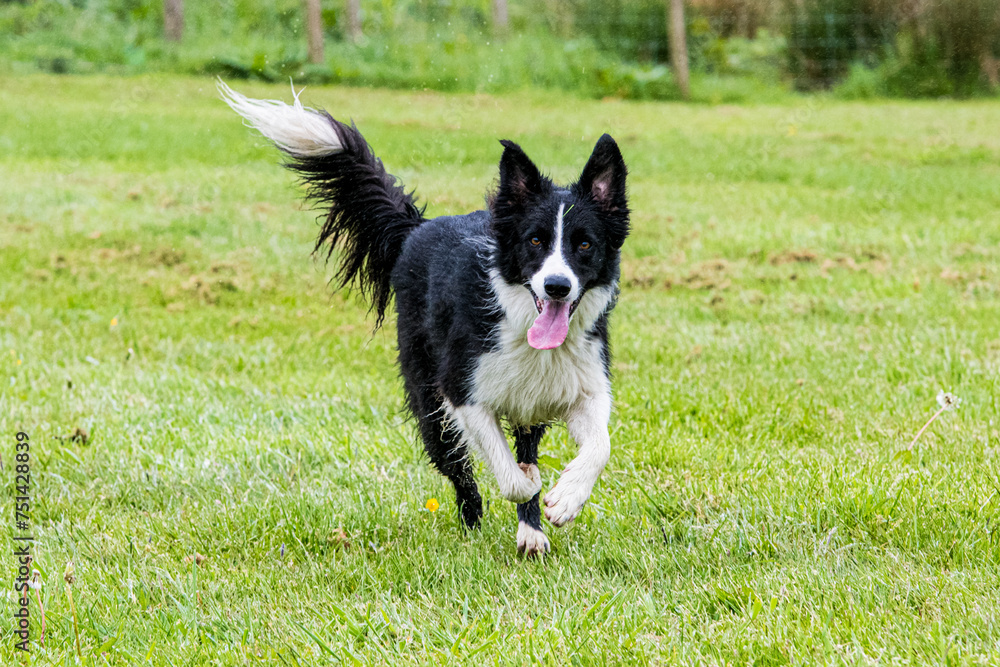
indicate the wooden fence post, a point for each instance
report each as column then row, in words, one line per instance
column 678, row 46
column 173, row 19
column 500, row 18
column 354, row 19
column 314, row 31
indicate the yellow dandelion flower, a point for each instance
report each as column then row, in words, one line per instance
column 432, row 505
column 18, row 362
column 114, row 321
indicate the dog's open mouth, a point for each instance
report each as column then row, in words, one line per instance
column 539, row 303
column 552, row 324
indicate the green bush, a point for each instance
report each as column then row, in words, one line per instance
column 960, row 34
column 825, row 37
column 862, row 83
column 935, row 53
column 916, row 72
column 634, row 30
column 927, row 49
column 459, row 61
column 762, row 57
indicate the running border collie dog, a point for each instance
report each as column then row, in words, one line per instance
column 502, row 314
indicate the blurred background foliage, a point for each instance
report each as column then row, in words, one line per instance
column 739, row 49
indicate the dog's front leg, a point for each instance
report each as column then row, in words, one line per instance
column 588, row 425
column 482, row 433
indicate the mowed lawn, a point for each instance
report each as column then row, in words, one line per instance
column 801, row 282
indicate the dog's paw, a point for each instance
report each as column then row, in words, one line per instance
column 531, row 541
column 564, row 502
column 523, row 485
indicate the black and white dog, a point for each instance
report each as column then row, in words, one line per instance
column 502, row 314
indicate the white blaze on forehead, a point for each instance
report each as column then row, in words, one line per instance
column 555, row 264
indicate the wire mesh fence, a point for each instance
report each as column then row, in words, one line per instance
column 599, row 47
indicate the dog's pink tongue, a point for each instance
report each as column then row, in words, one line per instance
column 550, row 327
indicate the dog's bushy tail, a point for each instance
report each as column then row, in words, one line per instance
column 368, row 213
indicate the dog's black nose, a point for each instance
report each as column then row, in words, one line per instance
column 557, row 287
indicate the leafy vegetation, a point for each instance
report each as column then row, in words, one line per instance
column 910, row 49
column 801, row 283
column 740, row 50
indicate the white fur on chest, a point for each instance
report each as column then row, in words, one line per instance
column 529, row 386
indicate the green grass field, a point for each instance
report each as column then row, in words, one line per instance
column 801, row 282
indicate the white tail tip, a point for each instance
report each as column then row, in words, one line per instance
column 294, row 128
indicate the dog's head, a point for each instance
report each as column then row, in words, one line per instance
column 559, row 242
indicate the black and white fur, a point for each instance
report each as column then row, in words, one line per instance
column 467, row 289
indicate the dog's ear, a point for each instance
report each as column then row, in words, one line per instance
column 603, row 179
column 603, row 182
column 520, row 181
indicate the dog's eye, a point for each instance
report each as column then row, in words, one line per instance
column 585, row 245
column 536, row 241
